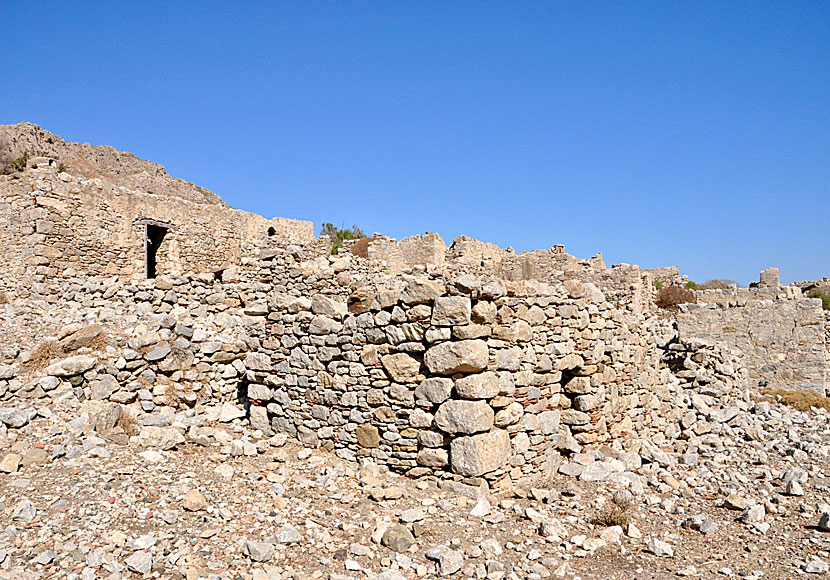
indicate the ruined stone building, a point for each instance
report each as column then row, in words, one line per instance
column 469, row 363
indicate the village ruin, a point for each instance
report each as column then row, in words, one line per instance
column 129, row 294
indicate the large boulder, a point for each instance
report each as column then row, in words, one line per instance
column 466, row 417
column 480, row 454
column 463, row 356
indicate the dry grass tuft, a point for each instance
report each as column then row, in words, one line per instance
column 42, row 355
column 801, row 399
column 614, row 514
column 174, row 397
column 47, row 351
column 128, row 422
column 361, row 247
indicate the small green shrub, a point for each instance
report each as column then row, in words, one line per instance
column 658, row 284
column 19, row 164
column 339, row 235
column 691, row 285
column 825, row 299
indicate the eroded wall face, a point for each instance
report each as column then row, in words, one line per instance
column 780, row 335
column 59, row 225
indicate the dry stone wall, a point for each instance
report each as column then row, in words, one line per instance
column 54, row 222
column 470, row 379
column 780, row 334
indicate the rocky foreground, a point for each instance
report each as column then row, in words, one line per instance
column 92, row 491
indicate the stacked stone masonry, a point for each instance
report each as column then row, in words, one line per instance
column 467, row 363
column 780, row 333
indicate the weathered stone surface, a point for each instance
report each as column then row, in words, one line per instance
column 480, row 386
column 81, row 337
column 480, row 454
column 194, row 501
column 397, row 538
column 433, row 457
column 326, row 306
column 257, row 361
column 401, row 367
column 160, row 437
column 434, row 389
column 229, row 412
column 455, row 416
column 157, row 352
column 420, row 291
column 510, row 415
column 360, row 301
column 367, row 435
column 465, row 356
column 72, row 366
column 259, row 551
column 451, row 310
column 10, row 463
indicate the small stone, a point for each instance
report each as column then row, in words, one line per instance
column 367, row 435
column 24, row 511
column 412, row 515
column 450, row 562
column 140, row 562
column 659, row 547
column 229, row 412
column 259, row 551
column 194, row 501
column 397, row 538
column 817, row 566
column 735, row 502
column 10, row 463
column 288, row 535
column 481, row 509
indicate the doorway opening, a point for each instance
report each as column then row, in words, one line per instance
column 153, row 237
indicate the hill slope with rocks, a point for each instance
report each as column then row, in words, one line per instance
column 118, row 168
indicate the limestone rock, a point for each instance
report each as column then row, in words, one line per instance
column 481, row 386
column 480, row 454
column 397, row 538
column 160, row 437
column 194, row 501
column 72, row 366
column 420, row 291
column 451, row 311
column 367, row 435
column 401, row 367
column 435, row 390
column 464, row 356
column 455, row 416
column 259, row 551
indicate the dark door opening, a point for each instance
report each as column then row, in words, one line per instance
column 152, row 242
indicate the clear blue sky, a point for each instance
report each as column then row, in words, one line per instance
column 695, row 134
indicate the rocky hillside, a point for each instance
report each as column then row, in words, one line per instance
column 119, row 168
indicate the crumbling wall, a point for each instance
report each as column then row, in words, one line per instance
column 55, row 223
column 780, row 333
